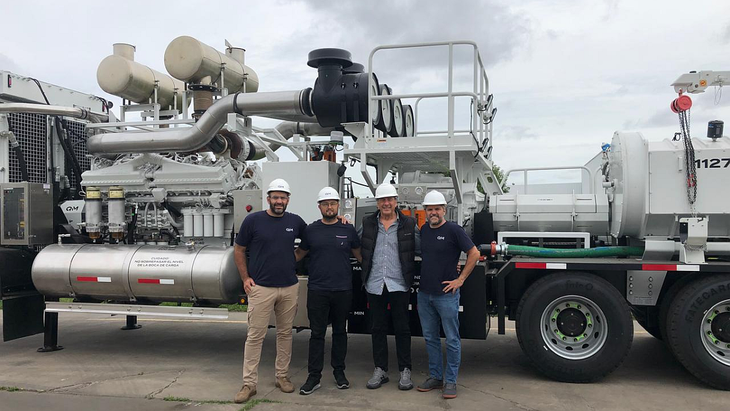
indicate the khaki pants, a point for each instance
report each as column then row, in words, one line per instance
column 261, row 302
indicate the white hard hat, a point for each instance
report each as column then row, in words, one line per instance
column 279, row 184
column 386, row 190
column 328, row 193
column 434, row 197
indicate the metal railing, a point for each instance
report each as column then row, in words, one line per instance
column 525, row 171
column 481, row 129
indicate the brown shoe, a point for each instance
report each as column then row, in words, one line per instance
column 284, row 384
column 245, row 394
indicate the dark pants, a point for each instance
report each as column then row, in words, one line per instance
column 398, row 312
column 323, row 307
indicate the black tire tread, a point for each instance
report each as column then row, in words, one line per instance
column 673, row 331
column 666, row 302
column 565, row 376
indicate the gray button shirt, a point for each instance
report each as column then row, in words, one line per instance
column 386, row 268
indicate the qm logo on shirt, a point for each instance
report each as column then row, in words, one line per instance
column 289, row 229
column 440, row 237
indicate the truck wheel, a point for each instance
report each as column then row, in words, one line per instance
column 575, row 327
column 699, row 329
column 666, row 302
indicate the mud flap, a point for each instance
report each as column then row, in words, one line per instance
column 23, row 306
column 22, row 316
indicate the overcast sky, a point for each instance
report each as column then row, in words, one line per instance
column 565, row 74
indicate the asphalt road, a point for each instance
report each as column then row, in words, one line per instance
column 193, row 364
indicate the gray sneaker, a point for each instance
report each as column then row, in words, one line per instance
column 430, row 384
column 379, row 378
column 405, row 382
column 449, row 391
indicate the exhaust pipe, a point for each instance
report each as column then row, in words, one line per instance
column 288, row 128
column 281, row 104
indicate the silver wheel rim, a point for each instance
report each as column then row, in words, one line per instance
column 385, row 106
column 583, row 336
column 409, row 123
column 376, row 106
column 397, row 117
column 717, row 345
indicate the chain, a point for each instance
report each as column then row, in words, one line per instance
column 689, row 160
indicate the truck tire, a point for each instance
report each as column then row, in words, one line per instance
column 666, row 302
column 574, row 327
column 699, row 329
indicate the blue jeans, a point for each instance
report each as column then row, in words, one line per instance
column 443, row 309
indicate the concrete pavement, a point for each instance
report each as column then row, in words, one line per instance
column 103, row 367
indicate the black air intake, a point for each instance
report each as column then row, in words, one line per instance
column 340, row 92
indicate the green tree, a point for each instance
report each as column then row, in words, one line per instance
column 499, row 175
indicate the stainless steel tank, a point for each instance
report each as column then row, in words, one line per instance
column 121, row 76
column 138, row 272
column 190, row 60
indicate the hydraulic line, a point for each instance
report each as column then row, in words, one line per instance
column 61, row 131
column 15, row 145
column 622, row 251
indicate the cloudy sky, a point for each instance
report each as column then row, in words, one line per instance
column 565, row 74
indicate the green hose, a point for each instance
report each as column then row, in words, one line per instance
column 574, row 252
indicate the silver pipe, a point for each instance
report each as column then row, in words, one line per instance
column 713, row 249
column 288, row 128
column 285, row 103
column 75, row 112
column 260, row 151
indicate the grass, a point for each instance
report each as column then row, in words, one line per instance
column 10, row 389
column 179, row 399
column 235, row 307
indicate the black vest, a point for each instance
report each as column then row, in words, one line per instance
column 406, row 245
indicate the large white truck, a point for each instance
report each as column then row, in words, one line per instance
column 151, row 219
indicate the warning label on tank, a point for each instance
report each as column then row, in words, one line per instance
column 159, row 262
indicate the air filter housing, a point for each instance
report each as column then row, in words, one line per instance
column 340, row 92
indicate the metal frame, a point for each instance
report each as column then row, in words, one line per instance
column 525, row 171
column 137, row 310
column 586, row 237
column 455, row 151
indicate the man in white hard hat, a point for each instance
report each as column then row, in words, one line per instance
column 388, row 240
column 442, row 243
column 270, row 281
column 329, row 243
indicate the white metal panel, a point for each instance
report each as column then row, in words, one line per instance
column 667, row 177
column 23, row 89
column 305, row 178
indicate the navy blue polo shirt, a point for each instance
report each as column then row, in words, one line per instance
column 269, row 242
column 329, row 247
column 440, row 251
